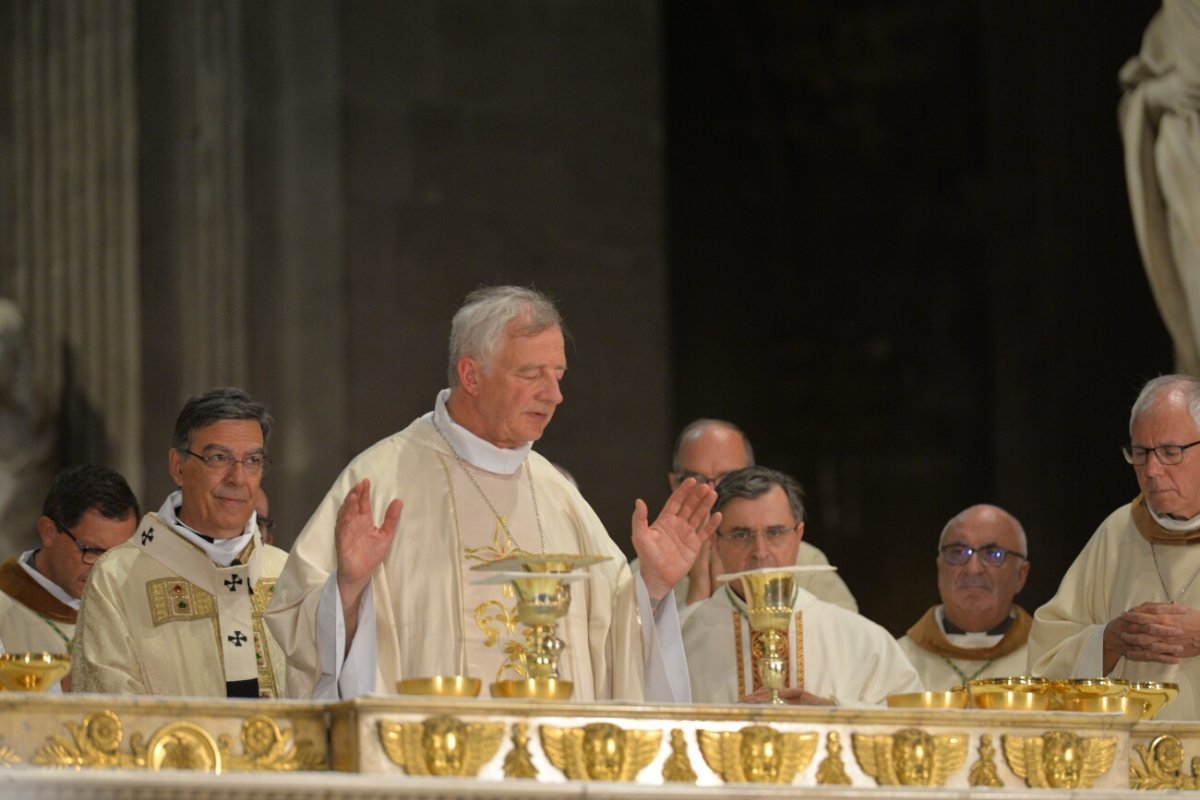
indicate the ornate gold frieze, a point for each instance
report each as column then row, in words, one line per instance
column 519, row 761
column 831, row 771
column 757, row 754
column 1059, row 759
column 983, row 772
column 96, row 742
column 678, row 767
column 441, row 745
column 1162, row 766
column 910, row 757
column 600, row 751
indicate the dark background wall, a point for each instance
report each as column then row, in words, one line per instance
column 889, row 239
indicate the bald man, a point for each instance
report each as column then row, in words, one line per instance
column 977, row 631
column 707, row 450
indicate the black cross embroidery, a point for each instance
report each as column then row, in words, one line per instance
column 237, row 638
column 234, row 582
column 147, row 536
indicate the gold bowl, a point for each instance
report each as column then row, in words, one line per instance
column 1154, row 695
column 955, row 698
column 1105, row 704
column 32, row 672
column 1016, row 683
column 1094, row 687
column 441, row 686
column 1011, row 700
column 533, row 689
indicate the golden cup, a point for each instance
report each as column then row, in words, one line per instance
column 32, row 672
column 1105, row 704
column 1011, row 700
column 1154, row 695
column 954, row 698
column 533, row 689
column 769, row 593
column 440, row 686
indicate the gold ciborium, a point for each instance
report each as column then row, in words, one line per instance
column 32, row 672
column 543, row 598
column 769, row 594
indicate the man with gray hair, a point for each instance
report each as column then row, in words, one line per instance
column 370, row 596
column 1127, row 607
column 177, row 609
column 977, row 631
column 834, row 656
column 707, row 450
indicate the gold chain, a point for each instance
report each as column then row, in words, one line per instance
column 503, row 523
column 1171, row 600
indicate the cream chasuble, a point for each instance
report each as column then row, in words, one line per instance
column 32, row 620
column 832, row 653
column 159, row 618
column 430, row 617
column 1114, row 572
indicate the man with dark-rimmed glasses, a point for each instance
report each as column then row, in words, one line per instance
column 1127, row 607
column 88, row 510
column 977, row 631
column 177, row 610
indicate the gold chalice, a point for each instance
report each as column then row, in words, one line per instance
column 1154, row 696
column 953, row 698
column 769, row 595
column 1009, row 691
column 32, row 672
column 543, row 597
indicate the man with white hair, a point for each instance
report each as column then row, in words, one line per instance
column 1127, row 607
column 707, row 450
column 370, row 596
column 977, row 631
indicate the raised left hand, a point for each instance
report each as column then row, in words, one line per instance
column 668, row 547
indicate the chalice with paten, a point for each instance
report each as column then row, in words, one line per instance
column 770, row 592
column 542, row 586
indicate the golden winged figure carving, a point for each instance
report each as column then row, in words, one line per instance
column 757, row 754
column 910, row 757
column 600, row 751
column 1059, row 759
column 441, row 745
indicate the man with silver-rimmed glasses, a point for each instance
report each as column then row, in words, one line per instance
column 88, row 510
column 977, row 631
column 1127, row 607
column 177, row 609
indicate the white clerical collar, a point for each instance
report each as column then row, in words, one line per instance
column 969, row 640
column 1172, row 524
column 475, row 451
column 219, row 551
column 26, row 561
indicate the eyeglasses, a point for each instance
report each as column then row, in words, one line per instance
column 88, row 553
column 700, row 478
column 219, row 462
column 993, row 555
column 1167, row 454
column 744, row 537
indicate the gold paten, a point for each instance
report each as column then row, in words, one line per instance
column 266, row 748
column 678, row 767
column 910, row 757
column 1059, row 759
column 831, row 771
column 757, row 754
column 600, row 751
column 441, row 746
column 983, row 772
column 1162, row 766
column 519, row 761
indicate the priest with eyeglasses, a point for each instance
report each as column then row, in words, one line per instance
column 1128, row 606
column 977, row 631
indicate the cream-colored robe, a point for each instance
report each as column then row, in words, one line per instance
column 846, row 657
column 429, row 615
column 937, row 675
column 145, row 629
column 31, row 619
column 1113, row 573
